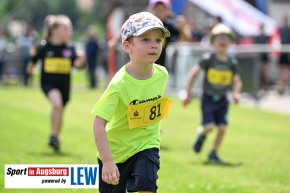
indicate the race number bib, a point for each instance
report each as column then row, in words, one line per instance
column 142, row 115
column 219, row 77
column 57, row 65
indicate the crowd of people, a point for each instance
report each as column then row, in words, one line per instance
column 16, row 65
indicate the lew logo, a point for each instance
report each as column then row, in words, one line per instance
column 83, row 175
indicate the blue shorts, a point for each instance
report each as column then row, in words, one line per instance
column 138, row 173
column 214, row 110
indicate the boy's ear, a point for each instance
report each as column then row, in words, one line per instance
column 127, row 47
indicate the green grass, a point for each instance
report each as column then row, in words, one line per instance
column 257, row 144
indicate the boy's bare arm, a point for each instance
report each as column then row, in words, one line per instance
column 29, row 68
column 80, row 61
column 237, row 88
column 190, row 81
column 110, row 172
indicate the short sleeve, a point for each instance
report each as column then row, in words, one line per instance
column 38, row 50
column 235, row 66
column 204, row 61
column 107, row 104
column 74, row 54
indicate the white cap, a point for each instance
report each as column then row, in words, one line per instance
column 139, row 23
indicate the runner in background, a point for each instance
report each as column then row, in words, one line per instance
column 57, row 58
column 221, row 74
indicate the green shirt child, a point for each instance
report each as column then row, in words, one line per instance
column 127, row 127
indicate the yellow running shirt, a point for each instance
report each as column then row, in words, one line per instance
column 133, row 109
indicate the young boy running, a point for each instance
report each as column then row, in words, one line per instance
column 221, row 74
column 126, row 126
column 57, row 58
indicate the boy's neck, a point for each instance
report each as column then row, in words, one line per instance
column 223, row 56
column 56, row 41
column 140, row 71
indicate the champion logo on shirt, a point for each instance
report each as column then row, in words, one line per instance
column 67, row 53
column 136, row 101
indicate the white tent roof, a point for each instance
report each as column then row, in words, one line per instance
column 239, row 15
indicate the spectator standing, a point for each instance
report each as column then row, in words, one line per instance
column 205, row 40
column 92, row 51
column 25, row 43
column 3, row 44
column 284, row 61
column 263, row 39
column 184, row 28
column 161, row 9
column 196, row 35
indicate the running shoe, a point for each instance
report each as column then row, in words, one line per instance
column 197, row 145
column 214, row 158
column 54, row 142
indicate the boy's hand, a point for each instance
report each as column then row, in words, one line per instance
column 81, row 58
column 110, row 173
column 29, row 69
column 186, row 100
column 236, row 98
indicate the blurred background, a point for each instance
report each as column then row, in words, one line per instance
column 262, row 43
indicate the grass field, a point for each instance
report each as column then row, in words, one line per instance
column 257, row 144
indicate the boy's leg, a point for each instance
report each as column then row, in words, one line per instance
column 56, row 116
column 55, row 99
column 221, row 121
column 213, row 155
column 284, row 76
column 207, row 123
column 201, row 136
column 219, row 137
column 144, row 175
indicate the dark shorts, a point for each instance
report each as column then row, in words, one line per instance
column 64, row 89
column 214, row 110
column 138, row 173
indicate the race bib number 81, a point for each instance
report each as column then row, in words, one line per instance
column 142, row 115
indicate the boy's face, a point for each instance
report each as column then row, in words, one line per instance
column 221, row 43
column 145, row 49
column 64, row 32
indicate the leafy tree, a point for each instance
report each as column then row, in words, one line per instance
column 33, row 12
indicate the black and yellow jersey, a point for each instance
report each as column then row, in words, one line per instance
column 56, row 61
column 219, row 75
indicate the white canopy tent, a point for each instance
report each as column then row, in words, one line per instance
column 239, row 15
